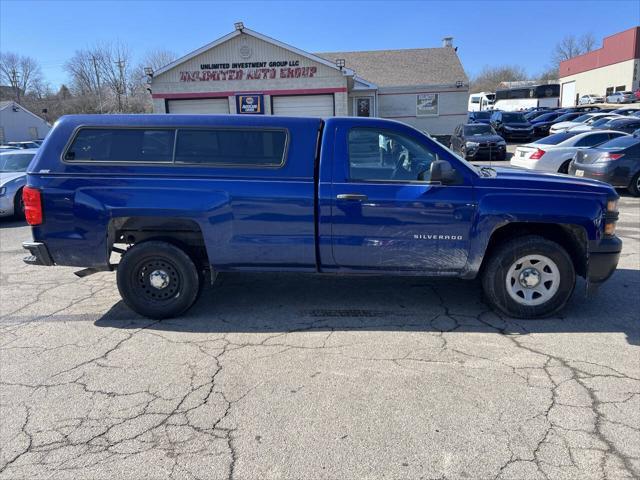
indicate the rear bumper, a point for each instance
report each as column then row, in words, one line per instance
column 39, row 254
column 603, row 260
column 602, row 172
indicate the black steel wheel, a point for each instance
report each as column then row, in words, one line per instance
column 157, row 279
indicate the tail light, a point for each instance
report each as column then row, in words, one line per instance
column 32, row 205
column 537, row 155
column 609, row 157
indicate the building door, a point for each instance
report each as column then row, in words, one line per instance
column 303, row 105
column 568, row 94
column 204, row 105
column 33, row 133
column 363, row 107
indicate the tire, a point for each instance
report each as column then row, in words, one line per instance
column 504, row 286
column 564, row 168
column 18, row 205
column 634, row 186
column 158, row 280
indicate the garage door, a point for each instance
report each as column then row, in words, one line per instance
column 568, row 94
column 205, row 105
column 304, row 106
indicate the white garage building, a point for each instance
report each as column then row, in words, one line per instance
column 17, row 124
column 246, row 72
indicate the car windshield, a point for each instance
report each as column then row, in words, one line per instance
column 555, row 139
column 566, row 117
column 546, row 117
column 471, row 130
column 583, row 118
column 513, row 117
column 601, row 121
column 619, row 143
column 15, row 162
column 482, row 115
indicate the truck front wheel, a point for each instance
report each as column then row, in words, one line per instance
column 157, row 279
column 529, row 277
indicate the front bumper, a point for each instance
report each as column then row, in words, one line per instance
column 39, row 254
column 490, row 153
column 603, row 260
column 517, row 134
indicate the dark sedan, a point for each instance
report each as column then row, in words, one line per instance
column 476, row 141
column 625, row 124
column 616, row 162
column 512, row 125
column 542, row 124
column 480, row 117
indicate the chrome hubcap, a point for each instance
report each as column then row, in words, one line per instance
column 533, row 280
column 159, row 279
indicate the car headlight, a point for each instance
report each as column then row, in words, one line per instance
column 472, row 145
column 3, row 191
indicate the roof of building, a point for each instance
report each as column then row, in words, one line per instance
column 6, row 103
column 407, row 67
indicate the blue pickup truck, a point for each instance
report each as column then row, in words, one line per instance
column 171, row 200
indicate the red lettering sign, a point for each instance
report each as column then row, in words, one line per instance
column 247, row 74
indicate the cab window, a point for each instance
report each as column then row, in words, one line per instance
column 382, row 155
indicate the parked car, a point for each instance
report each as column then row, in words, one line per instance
column 590, row 99
column 555, row 152
column 563, row 126
column 483, row 116
column 13, row 176
column 23, row 145
column 475, row 141
column 624, row 124
column 594, row 123
column 616, row 162
column 182, row 197
column 567, row 117
column 511, row 125
column 625, row 111
column 621, row 97
column 542, row 123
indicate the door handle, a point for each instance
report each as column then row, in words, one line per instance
column 352, row 196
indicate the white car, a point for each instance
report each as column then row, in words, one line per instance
column 621, row 97
column 594, row 123
column 564, row 126
column 13, row 176
column 590, row 99
column 555, row 152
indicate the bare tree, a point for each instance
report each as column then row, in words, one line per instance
column 20, row 72
column 571, row 46
column 490, row 77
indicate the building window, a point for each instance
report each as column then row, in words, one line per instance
column 250, row 147
column 122, row 145
column 427, row 104
column 33, row 132
column 363, row 107
column 621, row 88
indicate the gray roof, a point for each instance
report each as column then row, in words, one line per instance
column 394, row 68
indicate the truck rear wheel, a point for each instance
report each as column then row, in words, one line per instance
column 529, row 277
column 157, row 280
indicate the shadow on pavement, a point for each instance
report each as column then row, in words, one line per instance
column 263, row 303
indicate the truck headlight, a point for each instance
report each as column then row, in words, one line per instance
column 612, row 205
column 611, row 217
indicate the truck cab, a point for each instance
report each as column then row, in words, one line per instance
column 181, row 198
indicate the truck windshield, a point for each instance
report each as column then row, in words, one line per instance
column 15, row 162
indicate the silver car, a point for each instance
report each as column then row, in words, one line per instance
column 590, row 99
column 13, row 176
column 621, row 97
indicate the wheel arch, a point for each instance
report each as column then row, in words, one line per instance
column 573, row 238
column 183, row 233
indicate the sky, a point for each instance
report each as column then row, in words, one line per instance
column 485, row 32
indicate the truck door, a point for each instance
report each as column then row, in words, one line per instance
column 386, row 213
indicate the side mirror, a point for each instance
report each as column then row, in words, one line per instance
column 442, row 171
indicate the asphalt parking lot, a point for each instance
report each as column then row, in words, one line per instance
column 313, row 377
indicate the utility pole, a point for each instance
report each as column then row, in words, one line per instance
column 121, row 86
column 95, row 67
column 14, row 80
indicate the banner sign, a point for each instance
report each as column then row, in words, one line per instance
column 216, row 72
column 427, row 104
column 253, row 104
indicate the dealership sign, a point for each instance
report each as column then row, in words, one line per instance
column 216, row 72
column 253, row 104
